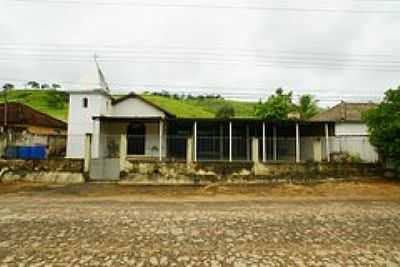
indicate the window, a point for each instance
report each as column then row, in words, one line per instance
column 85, row 102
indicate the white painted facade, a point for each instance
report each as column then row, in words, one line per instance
column 351, row 129
column 135, row 107
column 86, row 106
column 353, row 138
column 80, row 120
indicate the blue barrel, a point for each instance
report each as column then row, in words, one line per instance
column 38, row 152
column 11, row 152
column 24, row 152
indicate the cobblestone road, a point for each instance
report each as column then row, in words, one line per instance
column 37, row 232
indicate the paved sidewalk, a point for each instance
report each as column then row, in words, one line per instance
column 71, row 231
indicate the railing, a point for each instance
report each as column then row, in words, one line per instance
column 217, row 148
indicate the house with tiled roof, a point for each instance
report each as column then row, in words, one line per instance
column 350, row 134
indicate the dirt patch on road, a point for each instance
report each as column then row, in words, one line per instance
column 374, row 189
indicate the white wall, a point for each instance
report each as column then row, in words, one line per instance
column 114, row 130
column 152, row 140
column 355, row 145
column 352, row 137
column 350, row 128
column 135, row 107
column 80, row 120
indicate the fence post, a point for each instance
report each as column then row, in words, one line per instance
column 88, row 152
column 254, row 150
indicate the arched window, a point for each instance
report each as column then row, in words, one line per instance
column 85, row 102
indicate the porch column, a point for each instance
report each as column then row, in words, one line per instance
column 230, row 141
column 297, row 143
column 88, row 150
column 122, row 150
column 264, row 152
column 274, row 143
column 161, row 126
column 327, row 146
column 195, row 141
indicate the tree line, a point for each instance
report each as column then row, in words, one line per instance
column 34, row 85
column 278, row 107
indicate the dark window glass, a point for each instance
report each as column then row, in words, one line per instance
column 85, row 102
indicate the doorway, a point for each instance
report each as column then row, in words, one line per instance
column 136, row 133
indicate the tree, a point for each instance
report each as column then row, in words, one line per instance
column 384, row 126
column 225, row 112
column 276, row 108
column 33, row 84
column 307, row 107
column 55, row 86
column 8, row 86
column 44, row 86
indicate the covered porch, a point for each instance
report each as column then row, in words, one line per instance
column 161, row 139
column 119, row 140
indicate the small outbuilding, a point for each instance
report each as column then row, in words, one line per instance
column 24, row 126
column 351, row 137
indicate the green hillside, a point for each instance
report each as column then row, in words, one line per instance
column 55, row 104
column 51, row 102
column 204, row 108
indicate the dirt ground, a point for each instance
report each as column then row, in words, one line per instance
column 368, row 189
column 325, row 224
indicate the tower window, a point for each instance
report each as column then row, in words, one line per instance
column 85, row 102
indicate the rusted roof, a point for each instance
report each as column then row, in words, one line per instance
column 18, row 114
column 351, row 112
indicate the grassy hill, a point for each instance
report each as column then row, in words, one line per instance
column 56, row 104
column 50, row 102
column 204, row 108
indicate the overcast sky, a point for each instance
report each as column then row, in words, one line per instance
column 334, row 49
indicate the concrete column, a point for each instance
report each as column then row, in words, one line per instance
column 275, row 142
column 195, row 141
column 97, row 152
column 264, row 152
column 297, row 143
column 189, row 150
column 327, row 144
column 230, row 141
column 161, row 127
column 88, row 152
column 122, row 149
column 254, row 144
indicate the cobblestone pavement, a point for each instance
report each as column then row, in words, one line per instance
column 61, row 232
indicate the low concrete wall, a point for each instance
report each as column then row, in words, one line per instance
column 224, row 172
column 46, row 171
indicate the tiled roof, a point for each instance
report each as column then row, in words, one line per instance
column 351, row 112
